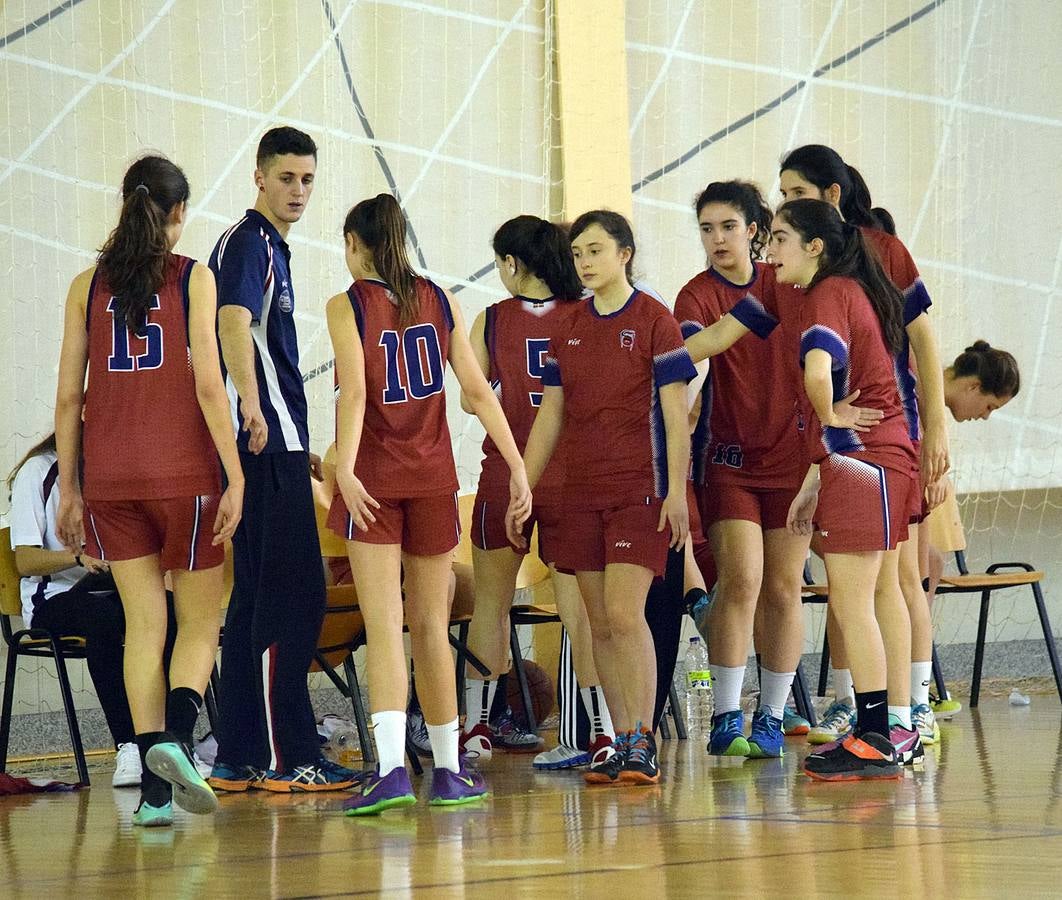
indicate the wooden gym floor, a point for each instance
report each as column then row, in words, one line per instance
column 983, row 818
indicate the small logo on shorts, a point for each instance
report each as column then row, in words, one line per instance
column 626, row 339
column 825, row 533
column 574, row 342
column 623, row 544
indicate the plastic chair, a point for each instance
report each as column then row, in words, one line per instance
column 38, row 643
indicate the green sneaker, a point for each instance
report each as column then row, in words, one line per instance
column 172, row 762
column 148, row 816
column 728, row 735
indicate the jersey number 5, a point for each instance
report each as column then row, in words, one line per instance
column 120, row 360
column 536, row 365
column 420, row 348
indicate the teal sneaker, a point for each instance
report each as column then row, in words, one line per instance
column 148, row 816
column 728, row 735
column 794, row 724
column 766, row 739
column 172, row 762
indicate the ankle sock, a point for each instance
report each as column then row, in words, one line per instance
column 444, row 749
column 921, row 676
column 389, row 732
column 774, row 689
column 900, row 715
column 154, row 791
column 182, row 710
column 843, row 689
column 872, row 713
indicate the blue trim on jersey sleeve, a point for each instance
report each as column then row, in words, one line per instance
column 354, row 295
column 916, row 301
column 701, row 439
column 88, row 302
column 490, row 333
column 674, row 365
column 689, row 328
column 445, row 303
column 551, row 373
column 186, row 300
column 754, row 316
column 822, row 337
column 242, row 269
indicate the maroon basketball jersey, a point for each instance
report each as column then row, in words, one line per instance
column 405, row 448
column 145, row 435
column 837, row 317
column 747, row 431
column 517, row 333
column 611, row 368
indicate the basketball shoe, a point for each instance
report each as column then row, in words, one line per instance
column 925, row 722
column 561, row 757
column 127, row 770
column 944, row 709
column 172, row 761
column 148, row 816
column 455, row 788
column 794, row 724
column 477, row 743
column 640, row 766
column 323, row 775
column 836, row 722
column 728, row 735
column 378, row 793
column 766, row 739
column 507, row 735
column 908, row 745
column 867, row 757
column 607, row 761
column 417, row 732
column 235, row 779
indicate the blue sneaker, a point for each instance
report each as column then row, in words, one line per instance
column 728, row 735
column 454, row 788
column 793, row 723
column 379, row 793
column 172, row 762
column 767, row 737
column 235, row 779
column 323, row 775
column 148, row 816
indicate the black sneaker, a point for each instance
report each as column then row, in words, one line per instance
column 640, row 766
column 868, row 756
column 606, row 770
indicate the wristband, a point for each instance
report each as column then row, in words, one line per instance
column 77, row 559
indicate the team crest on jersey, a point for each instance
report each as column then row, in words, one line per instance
column 284, row 301
column 627, row 339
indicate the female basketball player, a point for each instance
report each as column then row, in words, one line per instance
column 851, row 333
column 393, row 334
column 819, row 172
column 156, row 418
column 746, row 463
column 614, row 388
column 510, row 340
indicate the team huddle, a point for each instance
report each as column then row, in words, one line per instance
column 775, row 412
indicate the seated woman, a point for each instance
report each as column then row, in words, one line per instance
column 71, row 594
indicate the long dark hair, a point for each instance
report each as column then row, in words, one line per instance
column 544, row 250
column 996, row 369
column 134, row 258
column 746, row 198
column 42, row 446
column 617, row 227
column 381, row 226
column 823, row 166
column 846, row 253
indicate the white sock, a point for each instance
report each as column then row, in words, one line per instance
column 443, row 739
column 774, row 689
column 479, row 697
column 597, row 709
column 902, row 715
column 843, row 689
column 921, row 676
column 389, row 730
column 727, row 682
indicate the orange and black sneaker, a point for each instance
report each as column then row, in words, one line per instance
column 235, row 779
column 869, row 756
column 640, row 766
column 605, row 766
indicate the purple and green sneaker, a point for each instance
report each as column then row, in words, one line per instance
column 454, row 788
column 378, row 793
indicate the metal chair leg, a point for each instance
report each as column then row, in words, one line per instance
column 677, row 714
column 414, row 760
column 1049, row 637
column 9, row 699
column 938, row 675
column 665, row 732
column 824, row 663
column 71, row 713
column 521, row 678
column 210, row 699
column 800, row 696
column 979, row 648
column 360, row 719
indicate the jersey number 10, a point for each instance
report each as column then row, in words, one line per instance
column 419, row 346
column 120, row 359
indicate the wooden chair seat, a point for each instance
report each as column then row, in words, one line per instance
column 980, row 581
column 69, row 643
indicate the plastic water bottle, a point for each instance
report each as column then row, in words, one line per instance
column 341, row 741
column 700, row 704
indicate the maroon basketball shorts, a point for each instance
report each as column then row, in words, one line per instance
column 862, row 505
column 591, row 539
column 722, row 500
column 424, row 526
column 179, row 529
column 488, row 526
column 919, row 507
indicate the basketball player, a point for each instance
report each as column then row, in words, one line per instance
column 819, row 172
column 614, row 387
column 267, row 734
column 142, row 322
column 510, row 340
column 851, row 326
column 393, row 334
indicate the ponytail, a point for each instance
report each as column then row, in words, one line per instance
column 134, row 258
column 380, row 224
column 845, row 253
column 542, row 248
column 822, row 166
column 745, row 198
column 996, row 370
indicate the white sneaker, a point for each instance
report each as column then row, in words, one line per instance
column 202, row 766
column 836, row 722
column 561, row 757
column 127, row 768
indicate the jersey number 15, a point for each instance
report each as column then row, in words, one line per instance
column 120, row 359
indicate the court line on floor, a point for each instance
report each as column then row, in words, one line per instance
column 40, row 21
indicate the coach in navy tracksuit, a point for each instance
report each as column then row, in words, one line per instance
column 267, row 735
